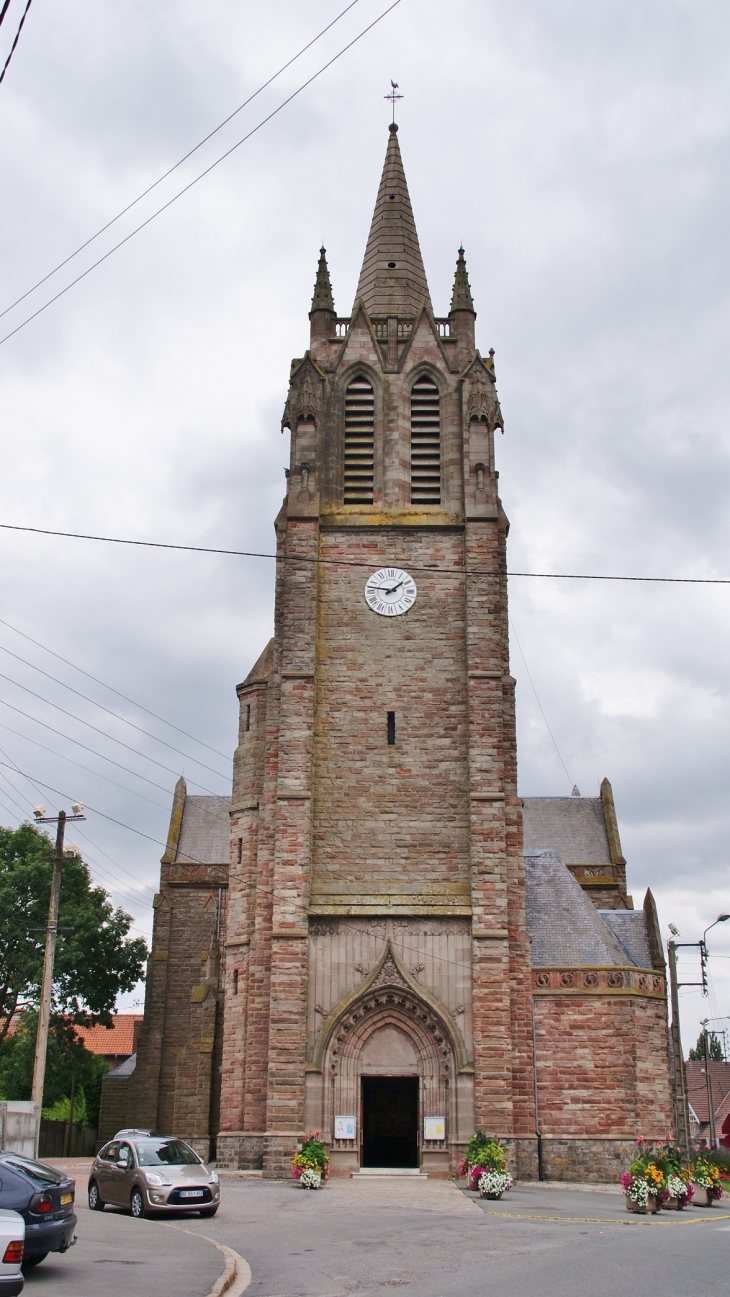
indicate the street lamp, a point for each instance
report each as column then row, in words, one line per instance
column 721, row 918
column 44, row 1008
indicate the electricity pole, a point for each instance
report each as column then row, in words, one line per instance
column 44, row 1008
column 708, row 1082
column 681, row 1109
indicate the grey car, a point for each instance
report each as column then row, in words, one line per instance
column 152, row 1173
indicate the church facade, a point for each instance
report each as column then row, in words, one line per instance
column 376, row 936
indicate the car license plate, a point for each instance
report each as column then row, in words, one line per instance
column 66, row 1198
column 192, row 1193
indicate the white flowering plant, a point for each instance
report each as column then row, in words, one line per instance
column 637, row 1190
column 494, row 1182
column 310, row 1179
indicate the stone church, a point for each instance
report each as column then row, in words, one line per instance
column 376, row 936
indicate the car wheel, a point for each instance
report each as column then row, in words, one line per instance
column 95, row 1202
column 136, row 1203
column 31, row 1261
column 208, row 1211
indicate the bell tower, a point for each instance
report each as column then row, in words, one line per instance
column 376, row 925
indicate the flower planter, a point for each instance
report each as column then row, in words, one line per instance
column 489, row 1195
column 702, row 1197
column 674, row 1204
column 641, row 1210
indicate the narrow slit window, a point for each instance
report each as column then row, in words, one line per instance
column 248, row 717
column 391, row 729
column 359, row 439
column 235, row 981
column 425, row 442
column 239, row 852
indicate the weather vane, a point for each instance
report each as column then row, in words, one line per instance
column 393, row 96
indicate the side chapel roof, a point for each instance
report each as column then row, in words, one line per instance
column 575, row 827
column 205, row 831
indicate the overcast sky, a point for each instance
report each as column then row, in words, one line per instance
column 581, row 154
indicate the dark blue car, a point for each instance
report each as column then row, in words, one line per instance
column 45, row 1199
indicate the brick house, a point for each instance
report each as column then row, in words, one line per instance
column 377, row 931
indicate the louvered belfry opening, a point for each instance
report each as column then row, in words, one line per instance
column 359, row 436
column 425, row 442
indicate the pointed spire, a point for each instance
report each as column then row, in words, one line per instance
column 322, row 299
column 392, row 279
column 461, row 298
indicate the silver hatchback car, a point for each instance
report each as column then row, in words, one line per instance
column 152, row 1173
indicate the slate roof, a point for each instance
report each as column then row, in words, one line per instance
column 401, row 288
column 575, row 827
column 125, row 1069
column 205, row 831
column 562, row 923
column 630, row 928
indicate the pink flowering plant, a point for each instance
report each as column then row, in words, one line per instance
column 311, row 1164
column 484, row 1157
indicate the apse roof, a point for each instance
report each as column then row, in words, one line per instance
column 563, row 925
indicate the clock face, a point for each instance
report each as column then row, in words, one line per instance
column 390, row 591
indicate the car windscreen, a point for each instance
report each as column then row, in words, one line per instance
column 165, row 1152
column 38, row 1170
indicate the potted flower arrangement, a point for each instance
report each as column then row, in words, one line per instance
column 706, row 1178
column 485, row 1165
column 679, row 1190
column 645, row 1182
column 310, row 1166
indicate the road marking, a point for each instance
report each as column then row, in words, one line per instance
column 597, row 1220
column 236, row 1272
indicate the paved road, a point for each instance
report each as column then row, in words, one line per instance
column 116, row 1254
column 430, row 1239
column 419, row 1238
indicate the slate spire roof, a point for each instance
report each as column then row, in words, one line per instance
column 392, row 279
column 322, row 299
column 461, row 298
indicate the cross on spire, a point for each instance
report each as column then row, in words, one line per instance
column 393, row 96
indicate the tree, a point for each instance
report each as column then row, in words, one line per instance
column 697, row 1055
column 67, row 1058
column 95, row 959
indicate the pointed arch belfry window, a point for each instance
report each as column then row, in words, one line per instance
column 359, row 441
column 425, row 442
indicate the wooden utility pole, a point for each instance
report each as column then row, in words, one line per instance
column 44, row 1008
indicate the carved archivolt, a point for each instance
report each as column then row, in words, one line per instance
column 390, row 994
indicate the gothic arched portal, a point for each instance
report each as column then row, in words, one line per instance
column 388, row 1029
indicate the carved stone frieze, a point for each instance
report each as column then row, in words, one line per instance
column 198, row 875
column 598, row 981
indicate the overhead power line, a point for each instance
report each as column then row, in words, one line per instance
column 112, row 690
column 204, row 173
column 17, row 38
column 193, row 860
column 185, row 157
column 79, row 744
column 4, row 10
column 96, row 773
column 109, row 712
column 95, row 728
column 433, row 569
